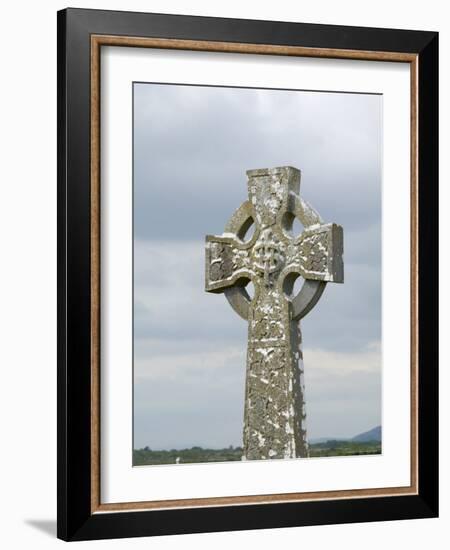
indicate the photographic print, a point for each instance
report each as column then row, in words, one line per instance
column 244, row 302
column 257, row 274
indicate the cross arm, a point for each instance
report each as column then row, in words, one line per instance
column 318, row 253
column 227, row 263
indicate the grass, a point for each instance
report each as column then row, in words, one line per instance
column 146, row 456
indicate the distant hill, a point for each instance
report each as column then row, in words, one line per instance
column 372, row 435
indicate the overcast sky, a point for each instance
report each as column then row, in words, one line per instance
column 192, row 147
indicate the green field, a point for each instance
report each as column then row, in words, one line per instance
column 146, row 456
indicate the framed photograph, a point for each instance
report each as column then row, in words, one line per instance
column 247, row 256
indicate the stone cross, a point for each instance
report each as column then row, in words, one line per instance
column 274, row 417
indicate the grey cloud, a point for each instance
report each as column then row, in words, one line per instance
column 342, row 406
column 194, row 144
column 196, row 397
column 171, row 304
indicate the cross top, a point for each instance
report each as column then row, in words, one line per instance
column 274, row 423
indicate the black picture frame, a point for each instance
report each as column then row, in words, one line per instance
column 76, row 521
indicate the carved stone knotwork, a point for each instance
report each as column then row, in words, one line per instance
column 274, row 418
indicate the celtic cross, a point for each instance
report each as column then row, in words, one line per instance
column 274, row 416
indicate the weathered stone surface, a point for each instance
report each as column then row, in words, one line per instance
column 274, row 417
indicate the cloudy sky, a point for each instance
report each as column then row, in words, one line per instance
column 192, row 146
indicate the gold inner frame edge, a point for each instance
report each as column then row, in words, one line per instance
column 263, row 49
